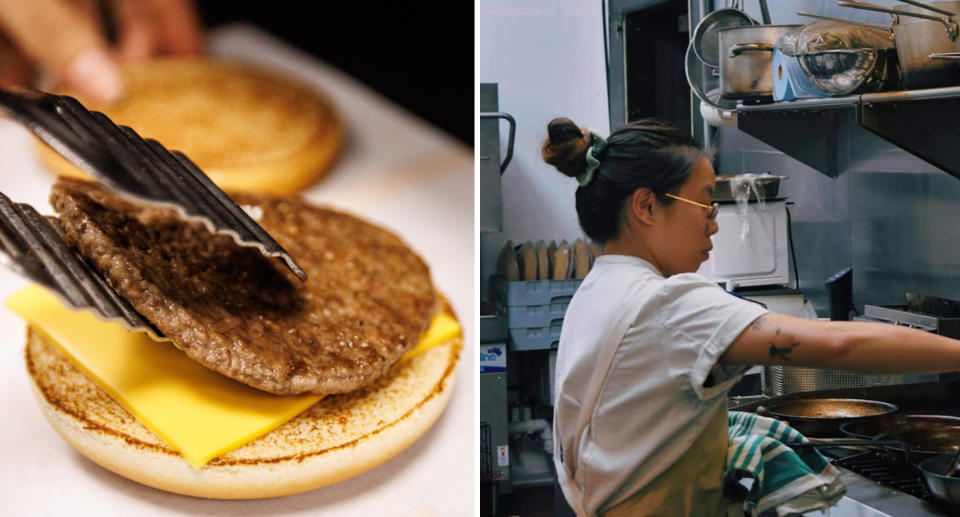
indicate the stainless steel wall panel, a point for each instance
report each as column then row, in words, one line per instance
column 903, row 227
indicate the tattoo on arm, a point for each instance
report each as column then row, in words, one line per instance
column 782, row 352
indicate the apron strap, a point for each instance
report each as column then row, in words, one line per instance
column 608, row 349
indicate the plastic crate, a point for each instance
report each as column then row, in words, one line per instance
column 538, row 338
column 528, row 316
column 533, row 292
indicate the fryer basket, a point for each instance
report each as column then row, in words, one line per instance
column 781, row 380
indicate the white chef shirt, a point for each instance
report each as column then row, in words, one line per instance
column 653, row 403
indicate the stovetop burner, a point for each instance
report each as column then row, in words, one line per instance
column 893, row 486
column 889, row 470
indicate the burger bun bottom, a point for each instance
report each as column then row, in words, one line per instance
column 339, row 437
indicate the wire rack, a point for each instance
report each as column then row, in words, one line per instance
column 486, row 459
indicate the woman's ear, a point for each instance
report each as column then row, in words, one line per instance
column 643, row 206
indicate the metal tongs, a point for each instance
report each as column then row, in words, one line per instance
column 140, row 169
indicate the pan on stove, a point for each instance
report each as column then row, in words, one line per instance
column 821, row 417
column 925, row 435
column 944, row 488
column 932, row 439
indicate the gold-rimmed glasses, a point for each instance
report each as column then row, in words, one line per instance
column 712, row 208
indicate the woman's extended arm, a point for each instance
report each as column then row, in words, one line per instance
column 859, row 346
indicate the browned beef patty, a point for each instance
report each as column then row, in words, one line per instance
column 366, row 302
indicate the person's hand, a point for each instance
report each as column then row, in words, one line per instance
column 64, row 43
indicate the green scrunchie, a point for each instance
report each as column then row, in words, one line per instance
column 598, row 145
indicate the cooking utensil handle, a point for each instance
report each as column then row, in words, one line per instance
column 764, row 12
column 740, row 48
column 853, row 442
column 513, row 131
column 948, row 56
column 831, row 18
column 845, row 442
column 929, row 7
column 857, row 4
column 954, row 463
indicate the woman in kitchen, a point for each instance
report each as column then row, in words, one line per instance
column 649, row 349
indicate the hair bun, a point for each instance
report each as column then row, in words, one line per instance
column 565, row 147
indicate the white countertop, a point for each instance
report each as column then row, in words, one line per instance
column 396, row 171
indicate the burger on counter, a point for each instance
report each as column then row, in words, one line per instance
column 262, row 384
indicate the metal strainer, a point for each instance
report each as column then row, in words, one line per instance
column 706, row 38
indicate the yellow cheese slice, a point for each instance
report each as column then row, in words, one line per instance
column 197, row 411
column 442, row 327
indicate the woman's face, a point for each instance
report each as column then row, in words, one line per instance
column 683, row 235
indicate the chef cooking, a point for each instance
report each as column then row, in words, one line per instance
column 649, row 348
column 760, row 202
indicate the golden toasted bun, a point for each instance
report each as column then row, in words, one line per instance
column 337, row 438
column 245, row 127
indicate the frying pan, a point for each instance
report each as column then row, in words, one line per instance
column 926, row 435
column 944, row 488
column 822, row 417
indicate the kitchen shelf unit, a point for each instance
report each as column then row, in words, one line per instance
column 925, row 123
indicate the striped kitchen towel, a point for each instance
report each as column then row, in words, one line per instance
column 786, row 481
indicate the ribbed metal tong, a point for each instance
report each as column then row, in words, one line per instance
column 32, row 246
column 141, row 170
column 138, row 168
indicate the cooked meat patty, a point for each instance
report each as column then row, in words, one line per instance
column 367, row 300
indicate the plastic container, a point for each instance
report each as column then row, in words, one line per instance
column 534, row 310
column 533, row 292
column 536, row 338
column 526, row 316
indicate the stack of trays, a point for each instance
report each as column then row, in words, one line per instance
column 533, row 286
column 534, row 310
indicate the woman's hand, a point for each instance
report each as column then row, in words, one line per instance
column 64, row 42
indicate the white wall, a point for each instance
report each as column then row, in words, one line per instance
column 548, row 59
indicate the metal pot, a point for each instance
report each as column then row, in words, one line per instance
column 746, row 60
column 925, row 40
column 730, row 186
column 822, row 417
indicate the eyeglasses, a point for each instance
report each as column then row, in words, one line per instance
column 712, row 208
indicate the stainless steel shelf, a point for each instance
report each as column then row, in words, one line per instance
column 921, row 122
column 952, row 92
column 801, row 105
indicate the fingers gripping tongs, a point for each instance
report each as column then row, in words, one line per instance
column 140, row 169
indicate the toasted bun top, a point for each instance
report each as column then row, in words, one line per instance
column 366, row 302
column 246, row 127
